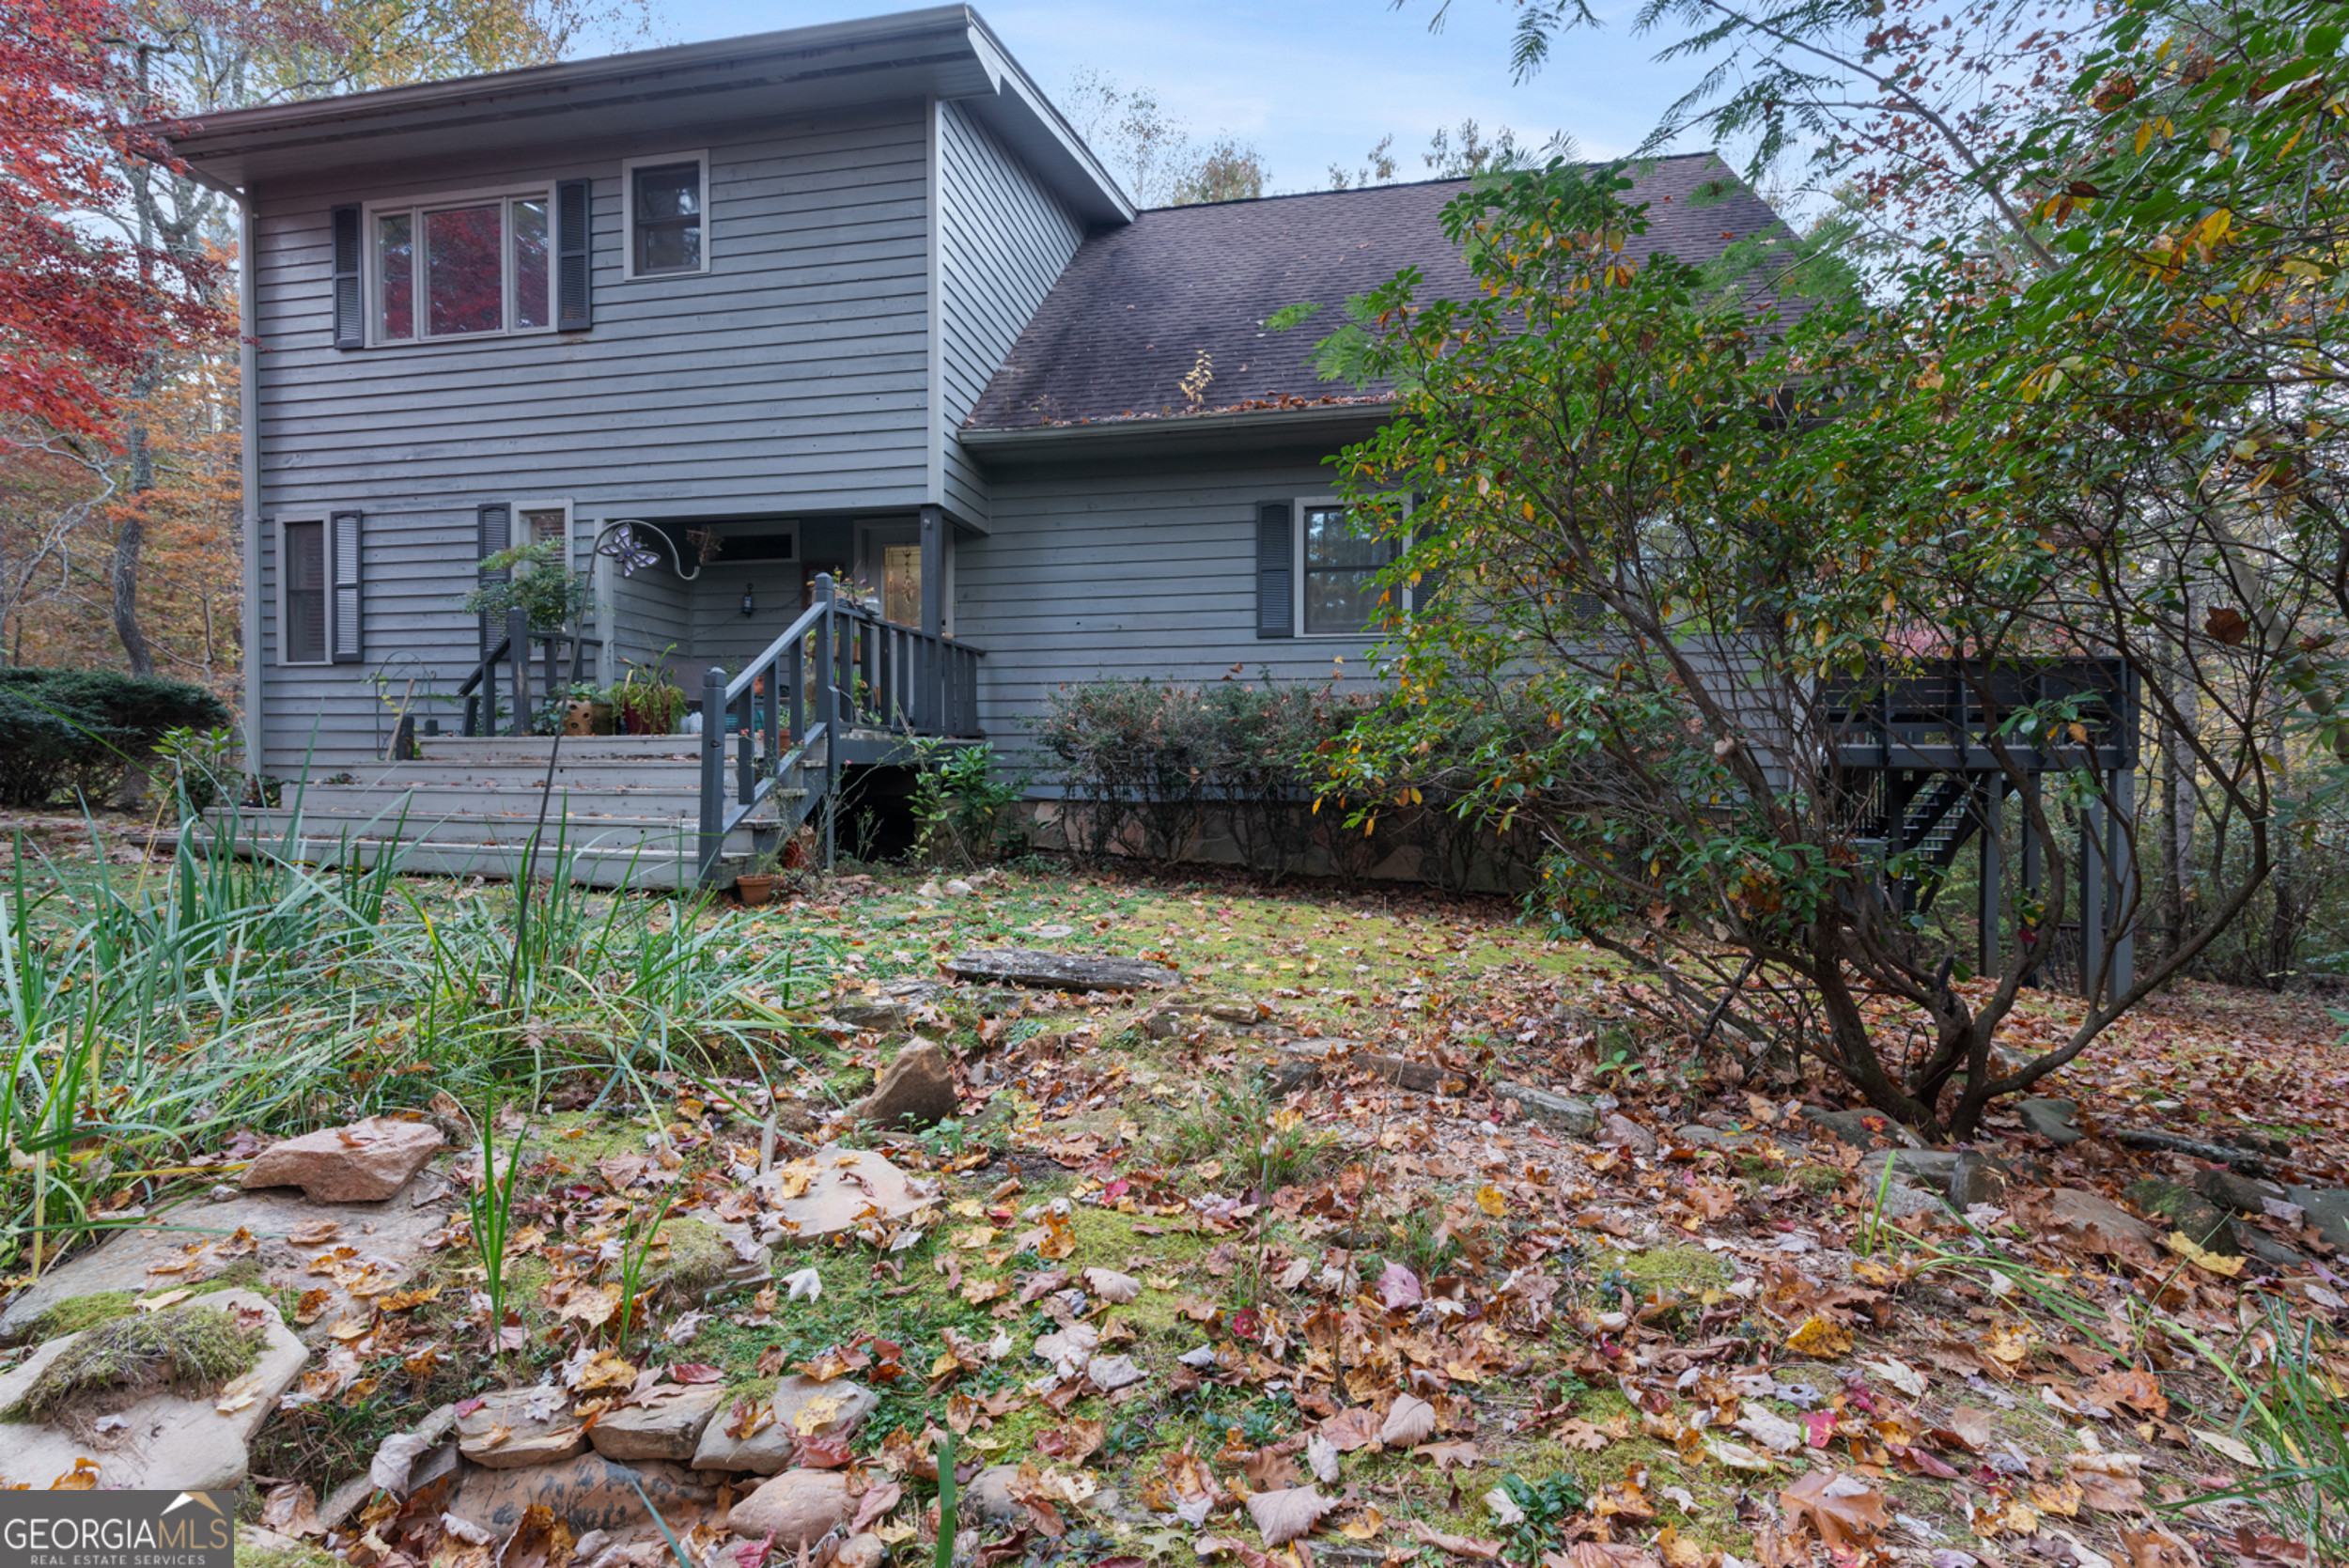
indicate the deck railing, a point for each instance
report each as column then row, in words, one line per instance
column 862, row 673
column 479, row 688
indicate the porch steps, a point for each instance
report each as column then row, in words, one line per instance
column 625, row 810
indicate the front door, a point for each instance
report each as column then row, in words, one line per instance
column 889, row 560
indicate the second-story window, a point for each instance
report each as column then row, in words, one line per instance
column 668, row 200
column 462, row 267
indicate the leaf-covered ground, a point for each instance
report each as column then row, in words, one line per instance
column 1215, row 1296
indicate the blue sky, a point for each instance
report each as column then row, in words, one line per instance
column 1308, row 82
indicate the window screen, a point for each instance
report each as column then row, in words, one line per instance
column 306, row 592
column 667, row 206
column 1342, row 566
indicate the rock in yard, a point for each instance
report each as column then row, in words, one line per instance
column 192, row 1242
column 764, row 1447
column 2204, row 1222
column 889, row 1005
column 2051, row 1119
column 587, row 1492
column 362, row 1163
column 794, row 1507
column 665, row 1429
column 800, row 1405
column 861, row 1551
column 1062, row 971
column 517, row 1427
column 1575, row 1118
column 1622, row 1132
column 2082, row 1212
column 917, row 1091
column 990, row 1494
column 2243, row 1194
column 829, row 1191
column 1868, row 1129
column 191, row 1440
column 2328, row 1211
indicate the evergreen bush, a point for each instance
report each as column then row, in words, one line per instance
column 82, row 729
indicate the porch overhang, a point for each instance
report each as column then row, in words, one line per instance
column 1322, row 428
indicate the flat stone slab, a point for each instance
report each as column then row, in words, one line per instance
column 516, row 1428
column 364, row 1162
column 832, row 1409
column 587, row 1492
column 835, row 1190
column 2056, row 1121
column 2082, row 1212
column 352, row 1251
column 165, row 1442
column 1062, row 971
column 667, row 1428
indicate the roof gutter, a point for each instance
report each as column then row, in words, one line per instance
column 1327, row 427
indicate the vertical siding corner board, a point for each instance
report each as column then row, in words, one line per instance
column 1004, row 241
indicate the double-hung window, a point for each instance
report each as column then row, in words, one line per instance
column 302, row 574
column 462, row 267
column 1339, row 593
column 665, row 203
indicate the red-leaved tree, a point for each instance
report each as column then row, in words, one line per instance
column 79, row 312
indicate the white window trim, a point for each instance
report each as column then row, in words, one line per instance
column 1298, row 508
column 285, row 655
column 370, row 285
column 549, row 503
column 628, row 214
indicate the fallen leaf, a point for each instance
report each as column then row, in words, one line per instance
column 2187, row 1248
column 1821, row 1339
column 1843, row 1512
column 1111, row 1286
column 2234, row 1448
column 1283, row 1516
column 1410, row 1420
column 1458, row 1546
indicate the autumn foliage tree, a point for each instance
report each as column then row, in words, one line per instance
column 1667, row 526
column 79, row 311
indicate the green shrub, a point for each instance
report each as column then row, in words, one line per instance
column 967, row 810
column 82, row 729
column 1146, row 769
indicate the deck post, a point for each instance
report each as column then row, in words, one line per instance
column 518, row 653
column 827, row 711
column 1993, row 808
column 713, row 803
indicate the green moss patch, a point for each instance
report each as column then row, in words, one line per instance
column 1688, row 1269
column 74, row 1314
column 696, row 1263
column 190, row 1349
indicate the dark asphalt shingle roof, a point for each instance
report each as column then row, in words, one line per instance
column 1134, row 307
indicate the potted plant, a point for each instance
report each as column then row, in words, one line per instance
column 648, row 701
column 756, row 886
column 588, row 709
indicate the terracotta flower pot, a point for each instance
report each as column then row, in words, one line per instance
column 755, row 891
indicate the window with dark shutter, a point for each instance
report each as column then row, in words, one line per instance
column 1276, row 567
column 496, row 524
column 301, row 565
column 574, row 212
column 342, row 565
column 349, row 322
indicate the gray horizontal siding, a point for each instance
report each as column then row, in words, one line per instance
column 1002, row 242
column 1126, row 574
column 792, row 375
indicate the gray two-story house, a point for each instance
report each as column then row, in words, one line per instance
column 848, row 301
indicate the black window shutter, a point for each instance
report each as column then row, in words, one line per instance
column 351, row 330
column 1276, row 570
column 342, row 579
column 574, row 206
column 495, row 522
